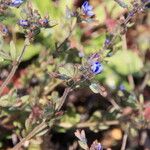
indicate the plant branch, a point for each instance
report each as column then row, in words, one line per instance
column 72, row 28
column 36, row 130
column 43, row 125
column 131, row 81
column 63, row 98
column 125, row 48
column 13, row 70
column 113, row 102
column 124, row 141
column 124, row 42
column 125, row 22
column 93, row 124
column 144, row 83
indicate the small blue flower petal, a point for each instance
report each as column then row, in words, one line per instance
column 45, row 21
column 23, row 23
column 99, row 147
column 16, row 3
column 90, row 8
column 147, row 3
column 122, row 87
column 5, row 30
column 87, row 9
column 96, row 68
column 107, row 41
column 90, row 13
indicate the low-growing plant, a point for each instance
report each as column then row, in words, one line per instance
column 52, row 50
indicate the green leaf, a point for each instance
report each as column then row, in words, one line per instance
column 12, row 50
column 103, row 127
column 42, row 132
column 67, row 69
column 1, row 42
column 2, row 17
column 94, row 44
column 1, row 59
column 94, row 87
column 125, row 62
column 5, row 55
column 83, row 145
column 30, row 52
column 122, row 3
column 109, row 5
column 25, row 98
column 28, row 124
column 131, row 101
column 70, row 119
column 56, row 11
column 47, row 7
column 8, row 100
column 143, row 41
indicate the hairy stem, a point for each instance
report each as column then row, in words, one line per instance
column 144, row 83
column 36, row 130
column 72, row 28
column 124, row 141
column 128, row 18
column 66, row 92
column 42, row 125
column 13, row 70
column 94, row 124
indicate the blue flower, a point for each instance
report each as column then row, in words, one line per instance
column 23, row 23
column 147, row 3
column 131, row 14
column 16, row 3
column 107, row 41
column 87, row 9
column 99, row 146
column 5, row 30
column 122, row 87
column 44, row 22
column 96, row 67
column 96, row 146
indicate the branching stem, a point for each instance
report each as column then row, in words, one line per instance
column 13, row 70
